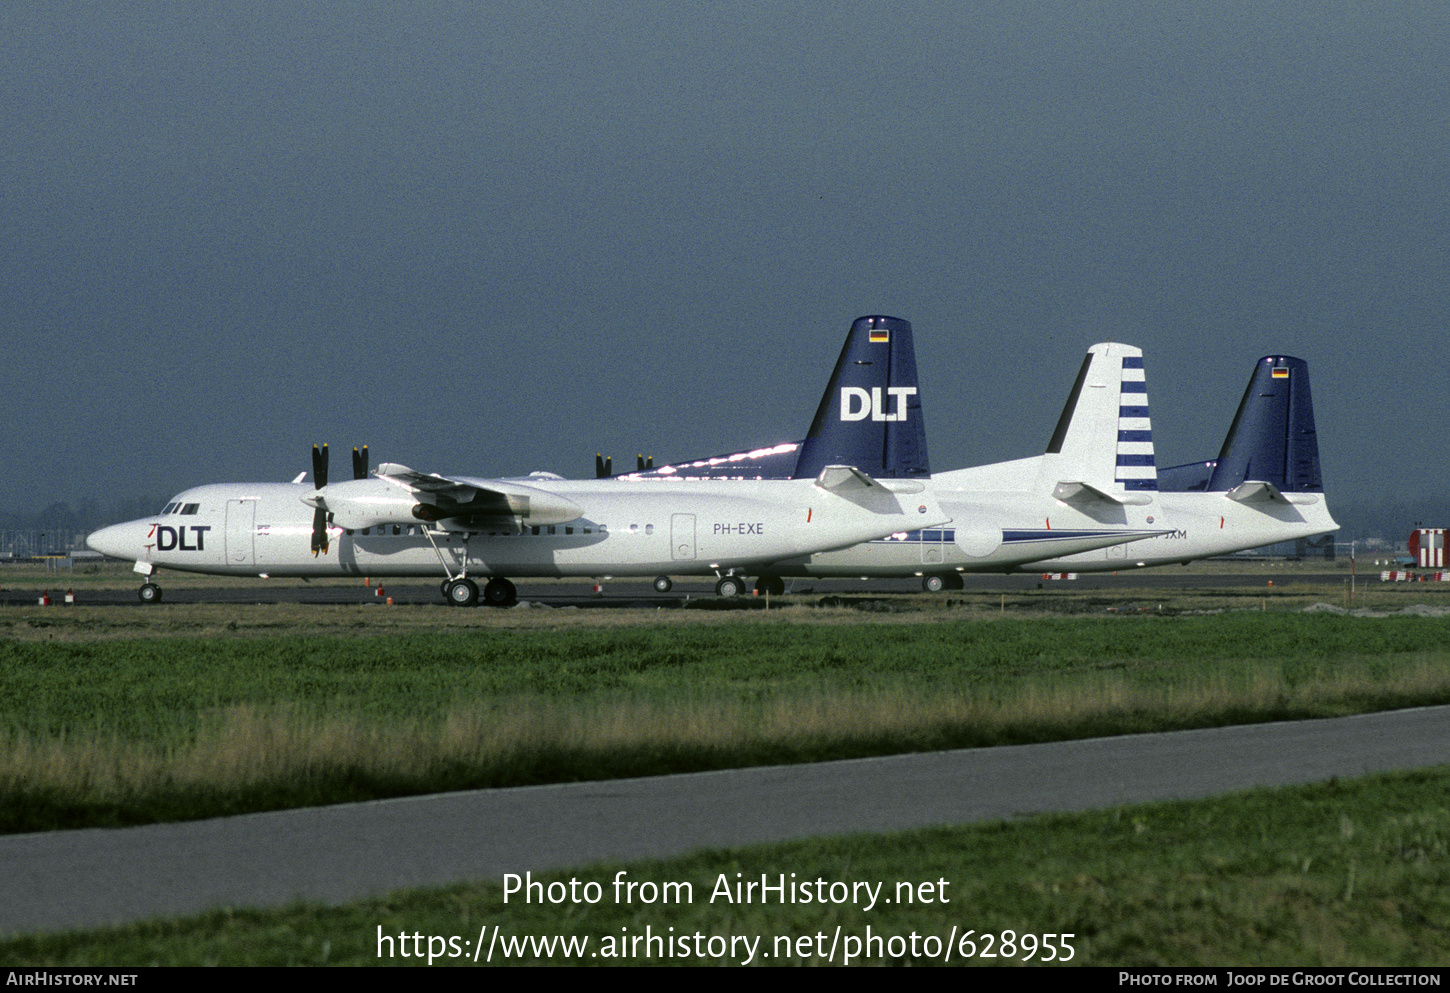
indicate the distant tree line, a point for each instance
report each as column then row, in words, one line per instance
column 87, row 515
column 1390, row 520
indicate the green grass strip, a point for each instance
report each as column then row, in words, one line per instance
column 133, row 731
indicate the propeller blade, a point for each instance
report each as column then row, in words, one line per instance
column 319, row 466
column 638, row 462
column 603, row 467
column 360, row 463
column 319, row 531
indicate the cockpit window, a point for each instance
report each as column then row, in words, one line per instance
column 168, row 508
column 190, row 508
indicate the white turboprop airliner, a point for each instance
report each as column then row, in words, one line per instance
column 399, row 522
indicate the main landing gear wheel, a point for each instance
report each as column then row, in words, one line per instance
column 462, row 592
column 933, row 584
column 729, row 586
column 150, row 593
column 773, row 585
column 663, row 584
column 500, row 592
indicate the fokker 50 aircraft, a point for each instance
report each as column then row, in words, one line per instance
column 398, row 522
column 1084, row 504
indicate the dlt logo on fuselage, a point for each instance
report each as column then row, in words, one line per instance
column 871, row 403
column 168, row 538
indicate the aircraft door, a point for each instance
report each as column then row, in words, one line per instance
column 682, row 537
column 931, row 550
column 240, row 532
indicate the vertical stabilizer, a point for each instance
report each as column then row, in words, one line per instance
column 870, row 416
column 1272, row 438
column 1104, row 439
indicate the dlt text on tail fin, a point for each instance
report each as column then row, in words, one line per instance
column 870, row 416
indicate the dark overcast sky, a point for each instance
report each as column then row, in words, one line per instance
column 491, row 238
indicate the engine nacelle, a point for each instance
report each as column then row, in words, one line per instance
column 364, row 503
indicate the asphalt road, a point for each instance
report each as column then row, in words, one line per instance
column 72, row 879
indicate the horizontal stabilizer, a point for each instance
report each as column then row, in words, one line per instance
column 891, row 497
column 1088, row 493
column 1258, row 491
column 843, row 478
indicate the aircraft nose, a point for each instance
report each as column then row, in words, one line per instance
column 118, row 541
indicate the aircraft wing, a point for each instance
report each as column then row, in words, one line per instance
column 400, row 495
column 475, row 500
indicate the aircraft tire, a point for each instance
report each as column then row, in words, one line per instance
column 730, row 586
column 663, row 584
column 500, row 592
column 955, row 582
column 462, row 593
column 773, row 585
column 149, row 593
column 934, row 583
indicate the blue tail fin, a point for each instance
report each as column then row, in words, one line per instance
column 870, row 416
column 1272, row 438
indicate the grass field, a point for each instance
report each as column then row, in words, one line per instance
column 129, row 715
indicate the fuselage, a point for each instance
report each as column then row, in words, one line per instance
column 1004, row 519
column 645, row 529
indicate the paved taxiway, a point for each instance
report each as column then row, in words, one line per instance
column 638, row 592
column 75, row 879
